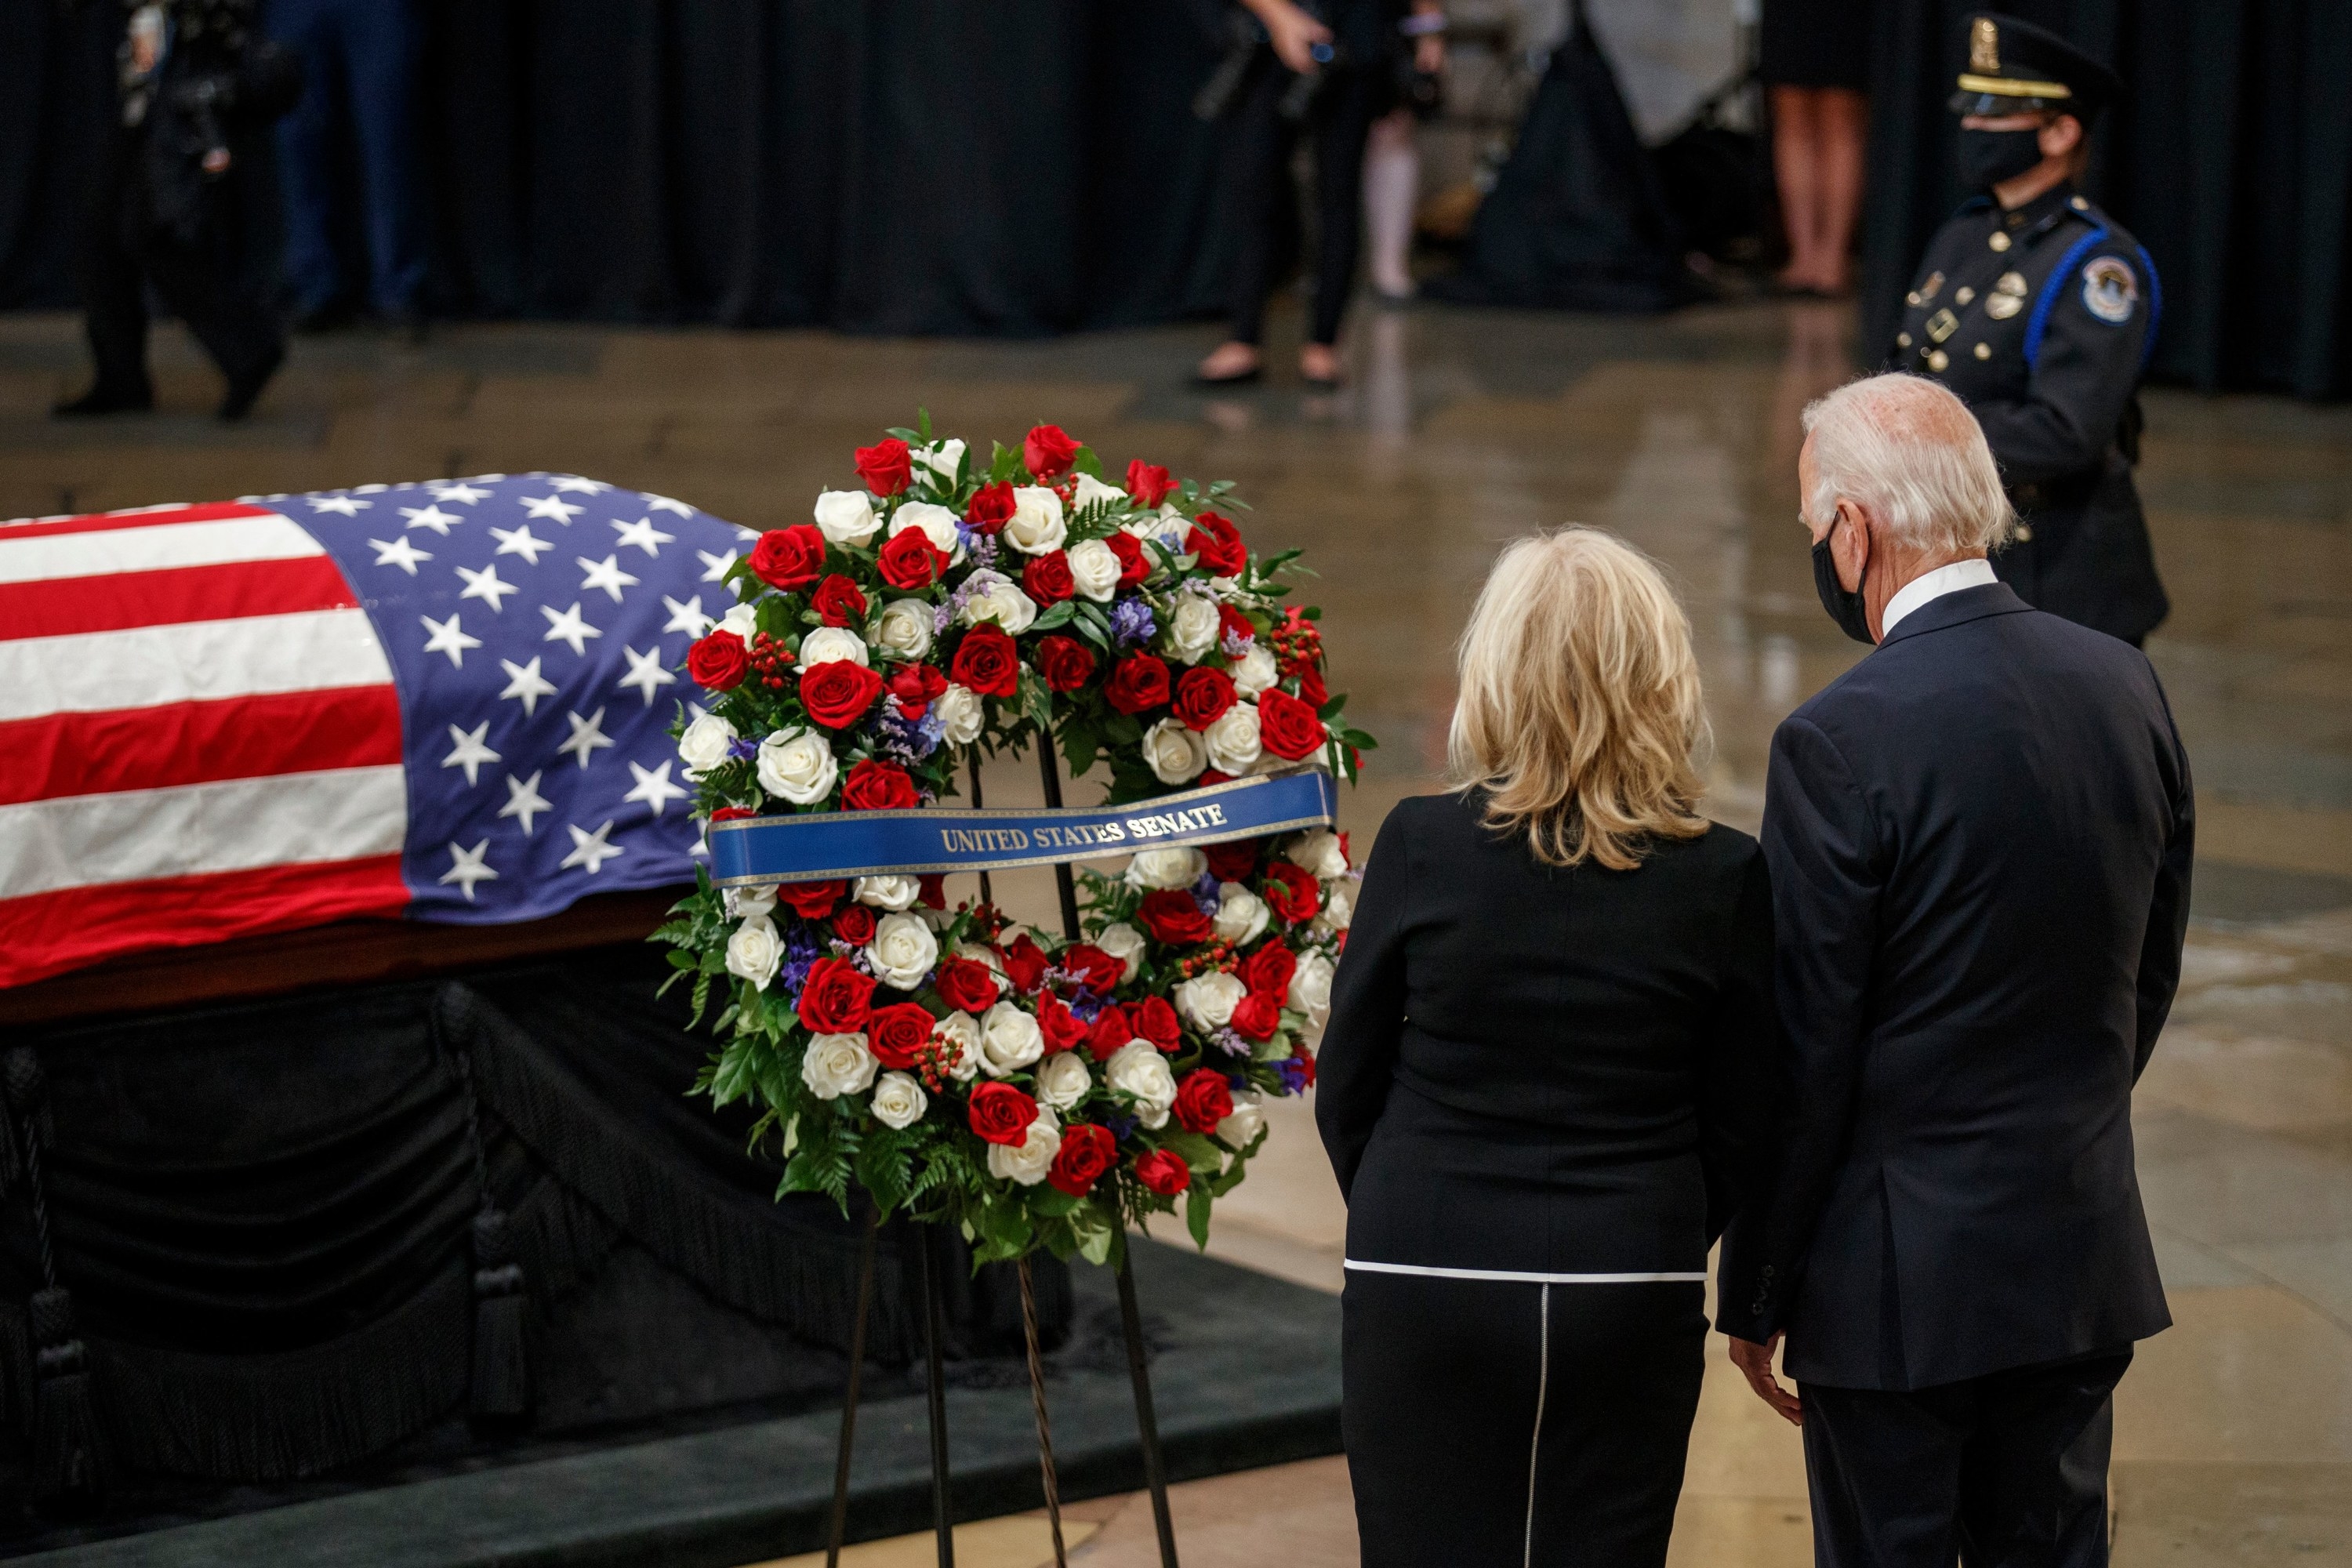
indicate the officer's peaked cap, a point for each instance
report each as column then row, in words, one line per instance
column 2013, row 66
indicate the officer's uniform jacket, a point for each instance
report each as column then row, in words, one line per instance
column 2040, row 320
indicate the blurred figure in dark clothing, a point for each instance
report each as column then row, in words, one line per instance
column 197, row 85
column 1815, row 58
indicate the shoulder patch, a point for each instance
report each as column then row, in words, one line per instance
column 2110, row 291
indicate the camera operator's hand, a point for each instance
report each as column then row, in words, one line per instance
column 1294, row 33
column 1429, row 49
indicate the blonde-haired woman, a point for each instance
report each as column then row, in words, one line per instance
column 1543, row 1063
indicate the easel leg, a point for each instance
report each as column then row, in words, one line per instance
column 972, row 761
column 1147, row 1424
column 934, row 1330
column 849, row 1400
column 1037, row 1399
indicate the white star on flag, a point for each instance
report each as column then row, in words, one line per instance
column 663, row 503
column 587, row 735
column 589, row 850
column 561, row 511
column 346, row 505
column 688, row 617
column 467, row 867
column 528, row 684
column 524, row 801
column 467, row 751
column 574, row 485
column 399, row 552
column 459, row 493
column 448, row 638
column 487, row 584
column 606, row 574
column 653, row 787
column 716, row 565
column 646, row 672
column 567, row 627
column 431, row 517
column 643, row 535
column 520, row 541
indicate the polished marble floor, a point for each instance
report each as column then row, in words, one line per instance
column 2234, row 1430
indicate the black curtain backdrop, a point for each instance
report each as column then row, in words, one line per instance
column 2230, row 157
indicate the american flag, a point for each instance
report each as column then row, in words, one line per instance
column 449, row 701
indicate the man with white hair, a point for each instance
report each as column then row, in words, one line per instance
column 1980, row 841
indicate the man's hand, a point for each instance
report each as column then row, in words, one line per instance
column 1294, row 33
column 1756, row 1362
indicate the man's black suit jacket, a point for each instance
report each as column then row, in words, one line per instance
column 1980, row 841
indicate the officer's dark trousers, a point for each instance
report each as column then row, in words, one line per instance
column 1491, row 1424
column 1256, row 166
column 198, row 276
column 359, row 59
column 2008, row 1470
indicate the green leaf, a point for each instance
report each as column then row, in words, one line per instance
column 1057, row 617
column 1095, row 1242
column 1081, row 747
column 1052, row 1202
column 737, row 1071
column 1036, row 699
column 1196, row 1215
column 1085, row 462
column 1200, row 1152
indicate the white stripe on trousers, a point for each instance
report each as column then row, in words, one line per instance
column 1517, row 1277
column 1535, row 1444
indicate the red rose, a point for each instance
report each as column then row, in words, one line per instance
column 1002, row 1114
column 1155, row 1020
column 1233, row 862
column 1093, row 968
column 911, row 561
column 1147, row 482
column 1311, row 690
column 1048, row 578
column 1306, row 1058
column 1048, row 452
column 1171, row 916
column 1231, row 624
column 991, row 507
column 965, row 985
column 811, row 901
column 1287, row 726
column 878, row 786
column 1202, row 695
column 718, row 661
column 1112, row 1029
column 1163, row 1173
column 838, row 693
column 917, row 687
column 895, row 1033
column 987, row 662
column 1134, row 563
column 934, row 886
column 1086, row 1152
column 1218, row 545
column 1268, row 970
column 855, row 925
column 1137, row 684
column 1212, row 776
column 837, row 600
column 789, row 557
column 1202, row 1099
column 838, row 999
column 732, row 814
column 1257, row 1015
column 1291, row 892
column 1065, row 663
column 1024, row 964
column 1063, row 1029
column 885, row 466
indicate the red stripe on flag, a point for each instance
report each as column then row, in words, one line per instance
column 49, row 933
column 97, row 523
column 198, row 742
column 118, row 601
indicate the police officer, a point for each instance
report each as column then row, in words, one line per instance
column 2039, row 310
column 196, row 83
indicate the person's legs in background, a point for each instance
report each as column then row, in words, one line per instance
column 1391, row 186
column 1843, row 116
column 1343, row 123
column 200, row 277
column 379, row 49
column 1817, row 143
column 306, row 140
column 1255, row 159
column 113, row 291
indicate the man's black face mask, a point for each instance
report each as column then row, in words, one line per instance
column 1845, row 607
column 1988, row 158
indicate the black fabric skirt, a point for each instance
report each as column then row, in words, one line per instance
column 1816, row 42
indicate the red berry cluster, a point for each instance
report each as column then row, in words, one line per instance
column 1297, row 644
column 935, row 1062
column 770, row 660
column 1218, row 955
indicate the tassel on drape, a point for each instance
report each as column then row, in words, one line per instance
column 68, row 1440
column 501, row 1387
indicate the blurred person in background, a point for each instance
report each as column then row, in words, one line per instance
column 1392, row 162
column 1815, row 60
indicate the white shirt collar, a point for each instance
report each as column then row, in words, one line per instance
column 1928, row 585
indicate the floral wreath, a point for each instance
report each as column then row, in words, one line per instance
column 1039, row 1091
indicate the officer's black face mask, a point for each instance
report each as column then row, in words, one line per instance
column 1845, row 607
column 1987, row 158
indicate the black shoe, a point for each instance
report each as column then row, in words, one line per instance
column 102, row 399
column 245, row 390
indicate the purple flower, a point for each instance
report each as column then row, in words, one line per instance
column 908, row 739
column 1132, row 620
column 801, row 951
column 1207, row 893
column 1294, row 1075
column 1232, row 1043
column 1237, row 646
column 743, row 748
column 1121, row 1127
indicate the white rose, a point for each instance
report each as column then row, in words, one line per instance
column 754, row 952
column 1311, row 986
column 903, row 629
column 1338, row 905
column 846, row 517
column 1169, row 534
column 962, row 1030
column 981, row 954
column 1237, row 1131
column 832, row 645
column 1241, row 916
column 887, row 892
column 1036, row 528
column 1092, row 491
column 1192, row 625
column 937, row 523
column 1232, row 741
column 994, row 596
column 942, row 463
column 1254, row 671
column 1095, row 569
column 743, row 620
column 1166, row 867
column 1028, row 1162
column 1124, row 942
column 1207, row 1001
column 751, row 903
column 1318, row 852
column 961, row 716
column 1009, row 1041
column 899, row 1102
column 1063, row 1080
column 704, row 744
column 903, row 951
column 1176, row 755
column 1137, row 1071
column 797, row 765
column 837, row 1064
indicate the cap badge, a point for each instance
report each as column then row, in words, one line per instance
column 1984, row 47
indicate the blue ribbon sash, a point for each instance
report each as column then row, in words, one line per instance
column 754, row 851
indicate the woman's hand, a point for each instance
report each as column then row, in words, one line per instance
column 1756, row 1362
column 1293, row 32
column 1429, row 49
